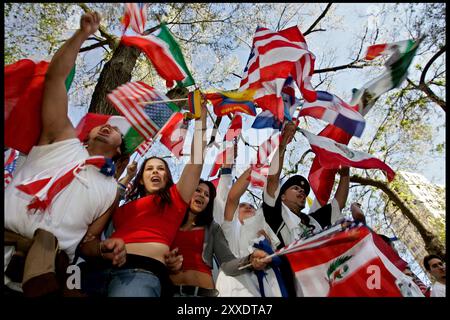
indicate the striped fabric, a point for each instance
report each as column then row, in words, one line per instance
column 135, row 15
column 130, row 100
column 143, row 148
column 274, row 57
column 260, row 169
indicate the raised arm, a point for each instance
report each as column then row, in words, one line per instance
column 193, row 169
column 343, row 187
column 276, row 165
column 237, row 190
column 56, row 125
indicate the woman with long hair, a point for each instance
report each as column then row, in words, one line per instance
column 198, row 240
column 149, row 222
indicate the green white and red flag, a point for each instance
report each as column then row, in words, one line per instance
column 400, row 55
column 165, row 55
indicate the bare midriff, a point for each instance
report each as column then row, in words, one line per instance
column 193, row 278
column 155, row 250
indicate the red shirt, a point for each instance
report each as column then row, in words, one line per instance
column 190, row 245
column 143, row 220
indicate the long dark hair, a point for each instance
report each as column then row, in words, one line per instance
column 138, row 190
column 205, row 217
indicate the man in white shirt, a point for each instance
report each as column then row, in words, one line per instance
column 283, row 205
column 436, row 267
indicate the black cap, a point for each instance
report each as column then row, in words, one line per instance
column 296, row 180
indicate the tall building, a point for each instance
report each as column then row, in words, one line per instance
column 428, row 204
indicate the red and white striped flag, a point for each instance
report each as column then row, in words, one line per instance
column 350, row 263
column 258, row 175
column 260, row 169
column 274, row 57
column 143, row 148
column 135, row 15
column 233, row 132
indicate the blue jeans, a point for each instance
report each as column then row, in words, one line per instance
column 134, row 282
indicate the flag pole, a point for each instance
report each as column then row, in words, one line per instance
column 161, row 101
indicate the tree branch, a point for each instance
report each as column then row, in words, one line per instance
column 346, row 66
column 310, row 29
column 95, row 45
column 432, row 243
column 429, row 93
column 429, row 63
column 113, row 41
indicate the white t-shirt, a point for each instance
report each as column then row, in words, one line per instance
column 241, row 237
column 85, row 199
column 438, row 290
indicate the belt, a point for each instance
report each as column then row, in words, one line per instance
column 196, row 291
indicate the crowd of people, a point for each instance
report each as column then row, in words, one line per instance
column 166, row 238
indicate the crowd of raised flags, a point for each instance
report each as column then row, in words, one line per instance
column 278, row 62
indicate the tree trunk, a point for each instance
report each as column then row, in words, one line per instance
column 116, row 72
column 432, row 243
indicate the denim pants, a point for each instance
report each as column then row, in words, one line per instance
column 133, row 282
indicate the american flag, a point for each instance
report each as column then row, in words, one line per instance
column 274, row 57
column 135, row 15
column 10, row 166
column 143, row 148
column 266, row 151
column 130, row 100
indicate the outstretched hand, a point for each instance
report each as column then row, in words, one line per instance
column 89, row 23
column 288, row 133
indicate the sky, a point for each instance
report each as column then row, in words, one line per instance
column 354, row 18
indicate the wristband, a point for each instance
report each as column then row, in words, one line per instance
column 225, row 171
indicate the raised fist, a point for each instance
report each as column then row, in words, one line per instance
column 89, row 23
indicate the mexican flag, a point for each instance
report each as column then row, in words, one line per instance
column 24, row 89
column 350, row 263
column 401, row 55
column 92, row 120
column 333, row 155
column 165, row 55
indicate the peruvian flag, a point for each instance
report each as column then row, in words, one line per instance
column 349, row 263
column 321, row 179
column 174, row 133
column 333, row 155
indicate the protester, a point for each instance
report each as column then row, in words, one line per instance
column 198, row 240
column 436, row 267
column 63, row 190
column 149, row 222
column 283, row 205
column 245, row 228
